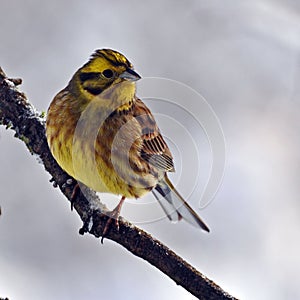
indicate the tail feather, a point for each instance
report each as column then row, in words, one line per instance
column 174, row 205
column 166, row 204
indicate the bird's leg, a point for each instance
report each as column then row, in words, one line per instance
column 114, row 214
column 75, row 193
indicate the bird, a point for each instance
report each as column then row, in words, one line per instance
column 105, row 137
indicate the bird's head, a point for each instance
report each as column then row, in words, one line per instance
column 105, row 69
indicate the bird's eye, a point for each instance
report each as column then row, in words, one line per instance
column 108, row 73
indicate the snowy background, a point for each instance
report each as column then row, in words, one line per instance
column 244, row 58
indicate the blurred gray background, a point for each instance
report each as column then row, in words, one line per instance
column 243, row 57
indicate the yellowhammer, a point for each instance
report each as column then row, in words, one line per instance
column 105, row 137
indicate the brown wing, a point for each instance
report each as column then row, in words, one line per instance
column 154, row 150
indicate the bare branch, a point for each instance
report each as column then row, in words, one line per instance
column 18, row 114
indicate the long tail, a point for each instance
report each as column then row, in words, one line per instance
column 174, row 205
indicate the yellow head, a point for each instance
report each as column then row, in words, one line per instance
column 105, row 69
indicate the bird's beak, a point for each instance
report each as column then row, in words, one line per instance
column 130, row 75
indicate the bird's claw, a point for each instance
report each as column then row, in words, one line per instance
column 75, row 193
column 113, row 217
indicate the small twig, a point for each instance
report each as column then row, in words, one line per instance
column 18, row 114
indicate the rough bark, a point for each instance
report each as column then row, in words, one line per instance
column 18, row 114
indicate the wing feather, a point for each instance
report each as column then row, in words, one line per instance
column 154, row 149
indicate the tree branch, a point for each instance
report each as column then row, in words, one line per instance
column 18, row 114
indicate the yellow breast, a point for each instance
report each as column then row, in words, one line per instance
column 95, row 149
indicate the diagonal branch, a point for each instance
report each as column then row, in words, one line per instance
column 18, row 114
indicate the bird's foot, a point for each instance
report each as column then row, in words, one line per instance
column 113, row 217
column 75, row 193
